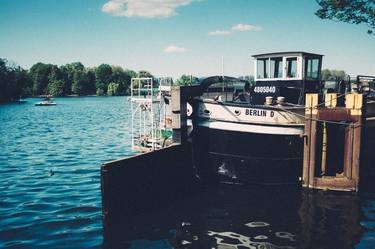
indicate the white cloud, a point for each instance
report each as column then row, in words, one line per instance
column 246, row 27
column 175, row 49
column 219, row 32
column 144, row 8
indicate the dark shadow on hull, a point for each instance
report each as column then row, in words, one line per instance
column 240, row 157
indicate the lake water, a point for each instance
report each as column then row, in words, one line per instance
column 50, row 161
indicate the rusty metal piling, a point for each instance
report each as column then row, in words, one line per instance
column 323, row 151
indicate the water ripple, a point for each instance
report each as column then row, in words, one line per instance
column 49, row 174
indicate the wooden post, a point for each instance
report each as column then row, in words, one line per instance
column 309, row 140
column 330, row 103
column 354, row 103
column 331, row 100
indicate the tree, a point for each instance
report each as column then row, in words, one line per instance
column 23, row 83
column 39, row 74
column 131, row 73
column 68, row 75
column 113, row 89
column 186, row 80
column 4, row 83
column 349, row 11
column 333, row 74
column 56, row 84
column 80, row 84
column 122, row 78
column 144, row 74
column 103, row 76
column 15, row 82
column 91, row 89
column 56, row 87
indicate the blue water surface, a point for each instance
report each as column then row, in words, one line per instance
column 50, row 158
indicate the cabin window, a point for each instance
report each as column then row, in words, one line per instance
column 276, row 67
column 312, row 68
column 262, row 68
column 221, row 91
column 238, row 92
column 291, row 64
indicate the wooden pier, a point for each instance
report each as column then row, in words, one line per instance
column 332, row 142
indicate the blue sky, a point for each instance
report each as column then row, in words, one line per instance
column 172, row 37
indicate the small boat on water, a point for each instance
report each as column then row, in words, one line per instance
column 46, row 102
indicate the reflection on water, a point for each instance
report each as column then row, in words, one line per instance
column 235, row 217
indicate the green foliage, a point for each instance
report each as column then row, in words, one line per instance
column 68, row 72
column 15, row 82
column 131, row 73
column 122, row 78
column 56, row 87
column 144, row 74
column 349, row 11
column 55, row 83
column 103, row 76
column 4, row 82
column 39, row 74
column 99, row 92
column 186, row 80
column 332, row 74
column 72, row 78
column 23, row 82
column 80, row 83
column 91, row 89
column 113, row 89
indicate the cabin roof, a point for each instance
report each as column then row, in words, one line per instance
column 206, row 82
column 286, row 53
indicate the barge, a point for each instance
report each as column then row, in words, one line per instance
column 254, row 132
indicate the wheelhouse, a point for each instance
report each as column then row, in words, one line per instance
column 287, row 74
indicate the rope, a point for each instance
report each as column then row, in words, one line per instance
column 320, row 120
column 295, row 106
column 315, row 119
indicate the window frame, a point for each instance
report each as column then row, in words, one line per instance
column 299, row 67
column 267, row 64
column 312, row 58
column 282, row 66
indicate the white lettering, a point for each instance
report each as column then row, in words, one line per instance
column 265, row 89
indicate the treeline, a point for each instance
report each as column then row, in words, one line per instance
column 187, row 80
column 333, row 74
column 15, row 82
column 72, row 79
column 69, row 79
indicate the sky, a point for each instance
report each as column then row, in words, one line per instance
column 174, row 37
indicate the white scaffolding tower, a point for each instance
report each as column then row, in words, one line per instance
column 151, row 126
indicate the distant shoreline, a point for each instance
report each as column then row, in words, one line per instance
column 74, row 96
column 22, row 100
